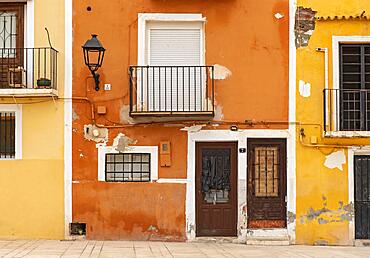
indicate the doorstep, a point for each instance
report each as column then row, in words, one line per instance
column 362, row 242
column 218, row 240
column 271, row 237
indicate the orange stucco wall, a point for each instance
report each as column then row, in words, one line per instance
column 242, row 35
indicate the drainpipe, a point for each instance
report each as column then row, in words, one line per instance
column 325, row 51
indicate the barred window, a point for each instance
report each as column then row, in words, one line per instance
column 7, row 135
column 127, row 167
column 354, row 92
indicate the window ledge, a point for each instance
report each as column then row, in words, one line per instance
column 28, row 93
column 347, row 134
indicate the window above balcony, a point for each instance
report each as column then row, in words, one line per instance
column 348, row 107
column 171, row 78
column 23, row 71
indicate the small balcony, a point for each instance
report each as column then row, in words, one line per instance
column 28, row 72
column 182, row 91
column 347, row 112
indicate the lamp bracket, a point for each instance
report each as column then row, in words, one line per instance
column 96, row 77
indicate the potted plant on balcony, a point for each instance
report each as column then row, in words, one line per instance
column 44, row 83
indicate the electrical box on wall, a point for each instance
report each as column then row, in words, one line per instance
column 165, row 154
column 101, row 110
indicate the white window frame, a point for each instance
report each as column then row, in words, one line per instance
column 17, row 109
column 29, row 28
column 152, row 150
column 143, row 35
column 336, row 41
column 144, row 18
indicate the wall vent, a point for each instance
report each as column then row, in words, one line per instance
column 77, row 229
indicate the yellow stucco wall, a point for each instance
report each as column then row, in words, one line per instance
column 32, row 189
column 323, row 207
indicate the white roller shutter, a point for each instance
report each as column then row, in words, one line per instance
column 176, row 45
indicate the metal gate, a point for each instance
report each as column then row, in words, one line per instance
column 362, row 197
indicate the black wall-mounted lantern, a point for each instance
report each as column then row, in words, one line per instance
column 94, row 55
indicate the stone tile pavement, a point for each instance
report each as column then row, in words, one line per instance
column 116, row 249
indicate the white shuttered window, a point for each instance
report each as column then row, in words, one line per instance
column 174, row 52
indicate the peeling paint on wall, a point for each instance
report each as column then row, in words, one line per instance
column 243, row 223
column 321, row 242
column 122, row 142
column 124, row 115
column 304, row 89
column 324, row 215
column 279, row 16
column 75, row 116
column 190, row 229
column 219, row 116
column 322, row 221
column 96, row 134
column 336, row 160
column 152, row 228
column 304, row 26
column 291, row 217
column 193, row 129
column 221, row 72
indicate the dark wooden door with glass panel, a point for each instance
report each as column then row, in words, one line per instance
column 216, row 189
column 11, row 45
column 266, row 183
column 362, row 197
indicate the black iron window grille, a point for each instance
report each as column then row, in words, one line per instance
column 127, row 167
column 7, row 135
column 171, row 89
column 347, row 108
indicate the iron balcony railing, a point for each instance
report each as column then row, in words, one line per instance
column 171, row 90
column 28, row 68
column 346, row 110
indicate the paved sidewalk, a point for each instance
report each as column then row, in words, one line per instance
column 116, row 249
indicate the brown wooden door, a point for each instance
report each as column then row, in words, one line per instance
column 12, row 53
column 216, row 189
column 266, row 183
